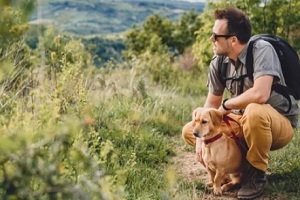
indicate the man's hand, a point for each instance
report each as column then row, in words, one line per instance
column 223, row 111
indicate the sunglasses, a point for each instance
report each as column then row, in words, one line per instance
column 216, row 36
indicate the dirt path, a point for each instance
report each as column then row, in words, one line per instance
column 193, row 171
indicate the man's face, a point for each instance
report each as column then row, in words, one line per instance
column 220, row 38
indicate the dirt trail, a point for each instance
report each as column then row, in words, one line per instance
column 193, row 171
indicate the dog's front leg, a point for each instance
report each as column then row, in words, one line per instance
column 234, row 180
column 218, row 181
column 211, row 175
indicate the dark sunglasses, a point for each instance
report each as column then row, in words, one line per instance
column 216, row 36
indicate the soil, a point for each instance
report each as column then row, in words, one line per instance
column 192, row 171
column 188, row 168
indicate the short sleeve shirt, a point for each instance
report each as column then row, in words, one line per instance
column 265, row 62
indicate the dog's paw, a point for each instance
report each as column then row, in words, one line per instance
column 230, row 186
column 217, row 191
column 210, row 184
column 226, row 187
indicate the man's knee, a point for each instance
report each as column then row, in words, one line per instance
column 254, row 113
column 254, row 109
column 187, row 134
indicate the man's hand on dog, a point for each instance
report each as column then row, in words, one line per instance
column 223, row 111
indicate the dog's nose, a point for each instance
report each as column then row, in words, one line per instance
column 196, row 134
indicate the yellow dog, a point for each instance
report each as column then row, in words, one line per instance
column 221, row 155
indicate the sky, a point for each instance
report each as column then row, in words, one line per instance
column 192, row 0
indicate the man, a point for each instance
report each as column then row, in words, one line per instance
column 258, row 110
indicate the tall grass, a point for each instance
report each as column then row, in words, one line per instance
column 284, row 178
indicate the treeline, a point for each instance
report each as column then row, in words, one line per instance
column 96, row 17
column 190, row 31
column 176, row 36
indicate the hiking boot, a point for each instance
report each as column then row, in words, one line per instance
column 253, row 185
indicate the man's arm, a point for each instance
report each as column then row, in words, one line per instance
column 259, row 93
column 212, row 101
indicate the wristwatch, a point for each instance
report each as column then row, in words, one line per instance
column 223, row 105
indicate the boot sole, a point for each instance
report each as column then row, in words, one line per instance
column 251, row 197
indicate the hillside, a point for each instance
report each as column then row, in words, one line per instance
column 94, row 17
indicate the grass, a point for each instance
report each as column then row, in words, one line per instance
column 285, row 170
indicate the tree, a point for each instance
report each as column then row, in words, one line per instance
column 202, row 47
column 173, row 36
column 184, row 33
column 285, row 22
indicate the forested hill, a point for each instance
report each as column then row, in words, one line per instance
column 101, row 17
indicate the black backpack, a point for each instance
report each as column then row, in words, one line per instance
column 289, row 62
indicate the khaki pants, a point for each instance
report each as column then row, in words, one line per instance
column 263, row 129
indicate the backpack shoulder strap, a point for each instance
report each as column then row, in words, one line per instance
column 222, row 68
column 249, row 58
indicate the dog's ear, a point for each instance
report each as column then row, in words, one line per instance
column 216, row 116
column 196, row 113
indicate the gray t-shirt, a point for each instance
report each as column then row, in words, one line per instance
column 265, row 62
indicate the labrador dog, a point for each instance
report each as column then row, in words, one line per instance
column 221, row 155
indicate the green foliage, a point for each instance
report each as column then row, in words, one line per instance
column 177, row 76
column 14, row 67
column 153, row 37
column 159, row 33
column 284, row 22
column 44, row 157
column 12, row 21
column 185, row 30
column 155, row 49
column 284, row 169
column 202, row 47
column 14, row 54
column 101, row 49
column 104, row 49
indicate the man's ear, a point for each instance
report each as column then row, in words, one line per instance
column 216, row 116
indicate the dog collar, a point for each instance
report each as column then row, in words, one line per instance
column 210, row 140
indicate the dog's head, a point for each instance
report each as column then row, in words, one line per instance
column 207, row 122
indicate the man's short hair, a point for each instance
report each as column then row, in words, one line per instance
column 238, row 23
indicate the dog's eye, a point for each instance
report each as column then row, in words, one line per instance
column 204, row 121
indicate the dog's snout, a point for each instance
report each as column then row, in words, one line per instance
column 196, row 134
